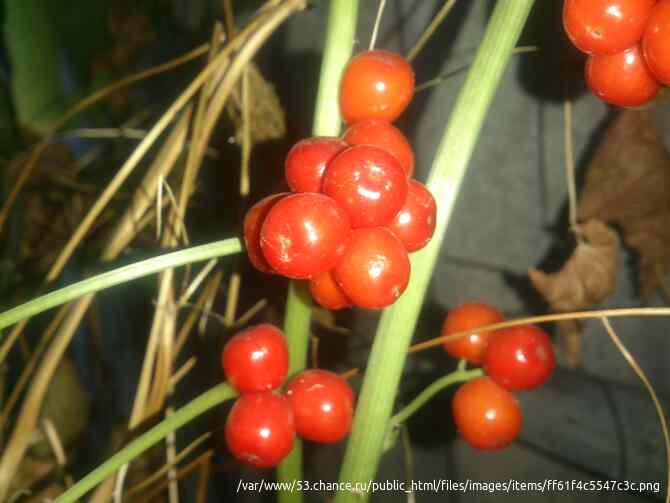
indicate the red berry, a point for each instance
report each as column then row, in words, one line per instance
column 464, row 317
column 307, row 160
column 253, row 221
column 487, row 416
column 260, row 429
column 323, row 405
column 520, row 357
column 414, row 224
column 384, row 135
column 605, row 26
column 376, row 85
column 327, row 292
column 374, row 270
column 622, row 79
column 367, row 182
column 305, row 235
column 656, row 42
column 256, row 359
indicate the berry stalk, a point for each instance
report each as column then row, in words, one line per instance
column 342, row 17
column 395, row 330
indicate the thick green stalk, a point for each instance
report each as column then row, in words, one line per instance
column 395, row 329
column 118, row 276
column 204, row 402
column 338, row 46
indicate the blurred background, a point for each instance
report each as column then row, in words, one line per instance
column 592, row 421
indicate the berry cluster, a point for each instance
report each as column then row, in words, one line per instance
column 316, row 404
column 514, row 359
column 354, row 213
column 628, row 43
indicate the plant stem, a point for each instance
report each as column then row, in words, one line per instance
column 118, row 276
column 204, row 402
column 395, row 329
column 432, row 390
column 338, row 46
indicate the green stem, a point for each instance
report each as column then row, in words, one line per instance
column 397, row 324
column 432, row 390
column 339, row 44
column 118, row 276
column 204, row 402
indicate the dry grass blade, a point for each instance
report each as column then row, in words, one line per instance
column 197, row 281
column 652, row 393
column 27, row 371
column 56, row 447
column 85, row 103
column 171, row 456
column 183, row 370
column 183, row 472
column 147, row 482
column 203, row 482
column 27, row 418
column 209, row 290
column 145, row 193
column 434, row 24
column 251, row 312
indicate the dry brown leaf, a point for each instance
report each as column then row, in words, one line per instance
column 265, row 114
column 586, row 279
column 628, row 183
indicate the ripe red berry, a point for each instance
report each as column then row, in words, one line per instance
column 656, row 41
column 414, row 224
column 305, row 235
column 327, row 292
column 384, row 135
column 260, row 429
column 256, row 359
column 376, row 85
column 605, row 26
column 323, row 405
column 368, row 183
column 622, row 79
column 374, row 270
column 487, row 416
column 253, row 221
column 464, row 317
column 520, row 357
column 307, row 160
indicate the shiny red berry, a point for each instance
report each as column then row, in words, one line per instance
column 520, row 357
column 368, row 183
column 260, row 429
column 305, row 235
column 384, row 135
column 256, row 359
column 376, row 85
column 487, row 416
column 656, row 42
column 307, row 160
column 621, row 79
column 327, row 293
column 253, row 221
column 374, row 270
column 323, row 405
column 464, row 317
column 606, row 26
column 414, row 224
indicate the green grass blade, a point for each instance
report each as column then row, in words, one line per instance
column 118, row 276
column 397, row 325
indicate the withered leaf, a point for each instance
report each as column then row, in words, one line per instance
column 628, row 183
column 586, row 279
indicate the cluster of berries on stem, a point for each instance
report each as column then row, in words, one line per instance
column 518, row 358
column 354, row 212
column 628, row 43
column 260, row 429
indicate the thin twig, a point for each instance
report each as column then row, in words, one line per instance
column 652, row 393
column 425, row 36
column 570, row 167
column 199, row 278
column 56, row 445
column 378, row 20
